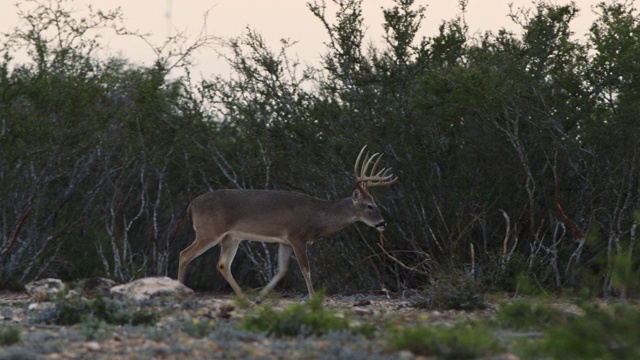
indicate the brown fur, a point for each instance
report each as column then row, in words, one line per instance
column 290, row 219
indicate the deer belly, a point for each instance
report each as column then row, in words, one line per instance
column 257, row 237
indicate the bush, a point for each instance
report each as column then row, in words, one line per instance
column 599, row 334
column 522, row 315
column 94, row 329
column 463, row 341
column 198, row 328
column 306, row 319
column 74, row 310
column 9, row 335
column 455, row 291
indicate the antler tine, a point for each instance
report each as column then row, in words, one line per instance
column 355, row 166
column 373, row 178
column 375, row 165
column 368, row 161
column 382, row 178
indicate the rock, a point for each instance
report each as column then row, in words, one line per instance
column 362, row 311
column 363, row 302
column 42, row 289
column 151, row 287
column 406, row 355
column 92, row 346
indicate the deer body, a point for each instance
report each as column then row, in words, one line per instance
column 290, row 219
column 276, row 215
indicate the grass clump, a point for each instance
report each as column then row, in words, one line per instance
column 306, row 319
column 523, row 315
column 455, row 291
column 9, row 335
column 75, row 310
column 94, row 329
column 599, row 334
column 198, row 328
column 462, row 341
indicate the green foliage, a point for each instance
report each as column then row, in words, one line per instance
column 9, row 334
column 462, row 341
column 599, row 334
column 623, row 276
column 308, row 319
column 74, row 310
column 525, row 315
column 198, row 327
column 94, row 329
column 522, row 139
column 455, row 290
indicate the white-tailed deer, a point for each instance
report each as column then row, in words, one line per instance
column 291, row 219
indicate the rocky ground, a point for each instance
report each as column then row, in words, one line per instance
column 206, row 327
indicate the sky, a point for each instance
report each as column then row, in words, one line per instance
column 281, row 19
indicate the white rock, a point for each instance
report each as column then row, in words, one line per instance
column 147, row 288
column 92, row 346
column 44, row 287
column 363, row 311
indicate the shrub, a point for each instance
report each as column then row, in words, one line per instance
column 522, row 315
column 94, row 329
column 599, row 334
column 198, row 328
column 306, row 319
column 462, row 341
column 74, row 310
column 455, row 291
column 9, row 335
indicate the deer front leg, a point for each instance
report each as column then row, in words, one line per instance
column 300, row 249
column 284, row 255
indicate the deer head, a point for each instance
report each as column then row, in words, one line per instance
column 365, row 179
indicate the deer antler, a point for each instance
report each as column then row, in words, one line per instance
column 383, row 177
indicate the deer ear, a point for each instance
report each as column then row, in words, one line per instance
column 356, row 195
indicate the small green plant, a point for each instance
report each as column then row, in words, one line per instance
column 599, row 334
column 306, row 319
column 462, row 341
column 9, row 335
column 198, row 327
column 74, row 310
column 94, row 329
column 523, row 315
column 453, row 291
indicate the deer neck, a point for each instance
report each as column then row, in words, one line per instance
column 336, row 215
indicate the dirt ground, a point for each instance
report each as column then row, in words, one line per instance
column 170, row 338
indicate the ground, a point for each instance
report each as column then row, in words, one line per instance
column 207, row 327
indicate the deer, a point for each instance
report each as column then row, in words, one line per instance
column 291, row 219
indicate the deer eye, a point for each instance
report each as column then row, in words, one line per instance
column 370, row 207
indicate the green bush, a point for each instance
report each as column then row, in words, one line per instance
column 94, row 329
column 522, row 315
column 453, row 291
column 198, row 328
column 9, row 335
column 71, row 311
column 599, row 334
column 306, row 319
column 462, row 341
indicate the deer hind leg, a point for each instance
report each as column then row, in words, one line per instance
column 284, row 255
column 200, row 245
column 300, row 251
column 228, row 249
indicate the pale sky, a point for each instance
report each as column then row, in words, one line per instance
column 278, row 19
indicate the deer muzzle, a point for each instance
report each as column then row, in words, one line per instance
column 381, row 225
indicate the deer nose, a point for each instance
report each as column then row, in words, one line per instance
column 381, row 225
